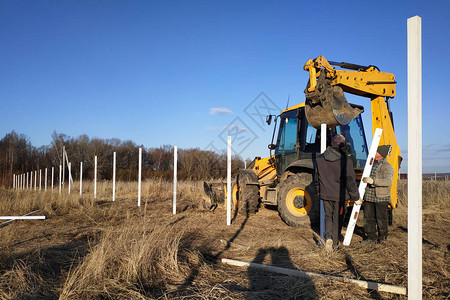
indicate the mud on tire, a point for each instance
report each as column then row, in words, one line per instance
column 247, row 196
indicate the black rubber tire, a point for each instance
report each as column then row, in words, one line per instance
column 294, row 215
column 248, row 195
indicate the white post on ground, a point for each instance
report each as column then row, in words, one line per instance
column 53, row 176
column 139, row 176
column 114, row 176
column 45, row 179
column 68, row 166
column 14, row 183
column 60, row 181
column 40, row 180
column 81, row 179
column 31, row 181
column 35, row 180
column 323, row 147
column 229, row 182
column 26, row 186
column 95, row 177
column 245, row 164
column 175, row 165
column 414, row 26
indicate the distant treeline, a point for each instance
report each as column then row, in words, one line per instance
column 18, row 155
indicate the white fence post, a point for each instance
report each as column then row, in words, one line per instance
column 60, row 181
column 45, row 179
column 323, row 147
column 14, row 183
column 175, row 164
column 53, row 176
column 69, row 167
column 114, row 177
column 40, row 179
column 95, row 177
column 81, row 179
column 414, row 28
column 26, row 185
column 35, row 180
column 31, row 181
column 229, row 181
column 139, row 176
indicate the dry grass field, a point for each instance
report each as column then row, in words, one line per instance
column 98, row 249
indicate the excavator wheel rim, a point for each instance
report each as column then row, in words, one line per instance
column 290, row 197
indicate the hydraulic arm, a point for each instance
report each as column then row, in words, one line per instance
column 326, row 102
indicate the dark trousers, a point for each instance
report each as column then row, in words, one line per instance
column 332, row 209
column 376, row 213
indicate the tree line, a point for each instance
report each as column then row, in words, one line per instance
column 18, row 155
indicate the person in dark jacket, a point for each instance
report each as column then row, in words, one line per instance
column 336, row 183
column 377, row 196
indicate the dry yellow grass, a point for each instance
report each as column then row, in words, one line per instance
column 96, row 249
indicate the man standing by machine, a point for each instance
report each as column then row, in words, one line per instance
column 336, row 183
column 377, row 196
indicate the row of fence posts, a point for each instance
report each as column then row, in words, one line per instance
column 21, row 182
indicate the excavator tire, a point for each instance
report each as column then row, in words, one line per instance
column 245, row 195
column 298, row 201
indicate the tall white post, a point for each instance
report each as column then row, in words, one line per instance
column 414, row 25
column 26, row 185
column 245, row 164
column 95, row 177
column 114, row 176
column 139, row 176
column 60, row 181
column 81, row 179
column 229, row 181
column 53, row 176
column 175, row 164
column 31, row 181
column 323, row 147
column 45, row 179
column 35, row 180
column 40, row 180
column 69, row 167
column 14, row 182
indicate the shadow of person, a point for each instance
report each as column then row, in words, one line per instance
column 268, row 285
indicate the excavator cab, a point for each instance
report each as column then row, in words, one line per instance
column 299, row 141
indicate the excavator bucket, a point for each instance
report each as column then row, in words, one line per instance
column 327, row 105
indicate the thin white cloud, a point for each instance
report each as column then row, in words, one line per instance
column 220, row 111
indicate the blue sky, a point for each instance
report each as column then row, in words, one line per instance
column 182, row 72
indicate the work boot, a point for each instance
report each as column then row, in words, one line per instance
column 368, row 242
column 329, row 245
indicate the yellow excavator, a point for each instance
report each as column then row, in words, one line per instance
column 285, row 178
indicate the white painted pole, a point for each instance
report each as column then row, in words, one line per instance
column 114, row 176
column 64, row 164
column 31, row 181
column 40, row 179
column 81, row 179
column 45, row 179
column 22, row 217
column 414, row 26
column 323, row 147
column 35, row 180
column 139, row 176
column 53, row 176
column 245, row 164
column 68, row 166
column 26, row 186
column 95, row 177
column 14, row 183
column 175, row 165
column 229, row 182
column 60, row 181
